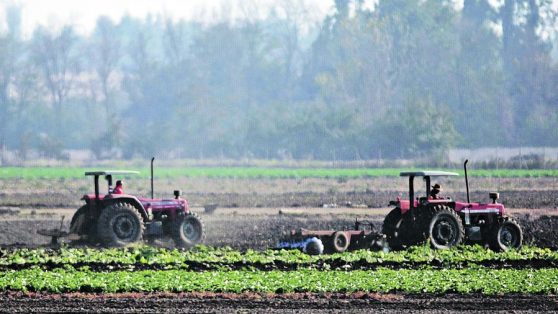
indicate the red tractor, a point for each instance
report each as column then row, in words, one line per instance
column 445, row 222
column 120, row 219
column 442, row 222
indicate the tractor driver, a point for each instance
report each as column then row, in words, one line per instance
column 435, row 192
column 118, row 188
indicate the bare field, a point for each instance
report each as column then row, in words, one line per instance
column 253, row 213
column 372, row 192
column 270, row 303
column 277, row 185
column 262, row 228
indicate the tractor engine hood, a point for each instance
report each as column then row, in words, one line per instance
column 479, row 208
column 164, row 204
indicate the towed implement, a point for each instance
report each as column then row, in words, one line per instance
column 441, row 222
column 316, row 242
column 118, row 219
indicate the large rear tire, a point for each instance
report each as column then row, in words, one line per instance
column 505, row 235
column 445, row 228
column 120, row 224
column 188, row 230
column 391, row 228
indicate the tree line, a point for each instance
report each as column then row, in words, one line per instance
column 404, row 79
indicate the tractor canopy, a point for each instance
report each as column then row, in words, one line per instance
column 427, row 174
column 110, row 172
column 108, row 176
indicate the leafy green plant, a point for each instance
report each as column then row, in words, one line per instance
column 487, row 281
column 225, row 257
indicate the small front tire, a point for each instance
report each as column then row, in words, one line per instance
column 188, row 230
column 506, row 235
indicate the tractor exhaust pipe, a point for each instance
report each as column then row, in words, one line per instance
column 466, row 179
column 152, row 191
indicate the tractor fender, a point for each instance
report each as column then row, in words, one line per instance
column 115, row 198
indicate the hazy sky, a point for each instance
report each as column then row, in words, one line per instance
column 83, row 14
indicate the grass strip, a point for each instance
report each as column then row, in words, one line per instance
column 31, row 173
column 487, row 281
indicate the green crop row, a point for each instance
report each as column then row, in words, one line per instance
column 487, row 281
column 147, row 255
column 256, row 172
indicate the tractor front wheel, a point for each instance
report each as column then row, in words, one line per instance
column 119, row 225
column 445, row 228
column 505, row 235
column 188, row 230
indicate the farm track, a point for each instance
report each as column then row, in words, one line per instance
column 274, row 303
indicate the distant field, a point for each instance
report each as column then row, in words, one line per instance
column 258, row 172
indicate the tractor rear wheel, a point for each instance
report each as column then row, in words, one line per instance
column 340, row 242
column 188, row 230
column 391, row 228
column 82, row 226
column 119, row 225
column 505, row 235
column 445, row 228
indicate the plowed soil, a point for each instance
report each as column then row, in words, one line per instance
column 269, row 303
column 370, row 199
column 262, row 228
column 532, row 193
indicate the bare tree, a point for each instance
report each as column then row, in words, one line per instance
column 105, row 54
column 6, row 76
column 53, row 54
column 138, row 51
column 10, row 47
column 297, row 19
column 24, row 102
column 177, row 41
